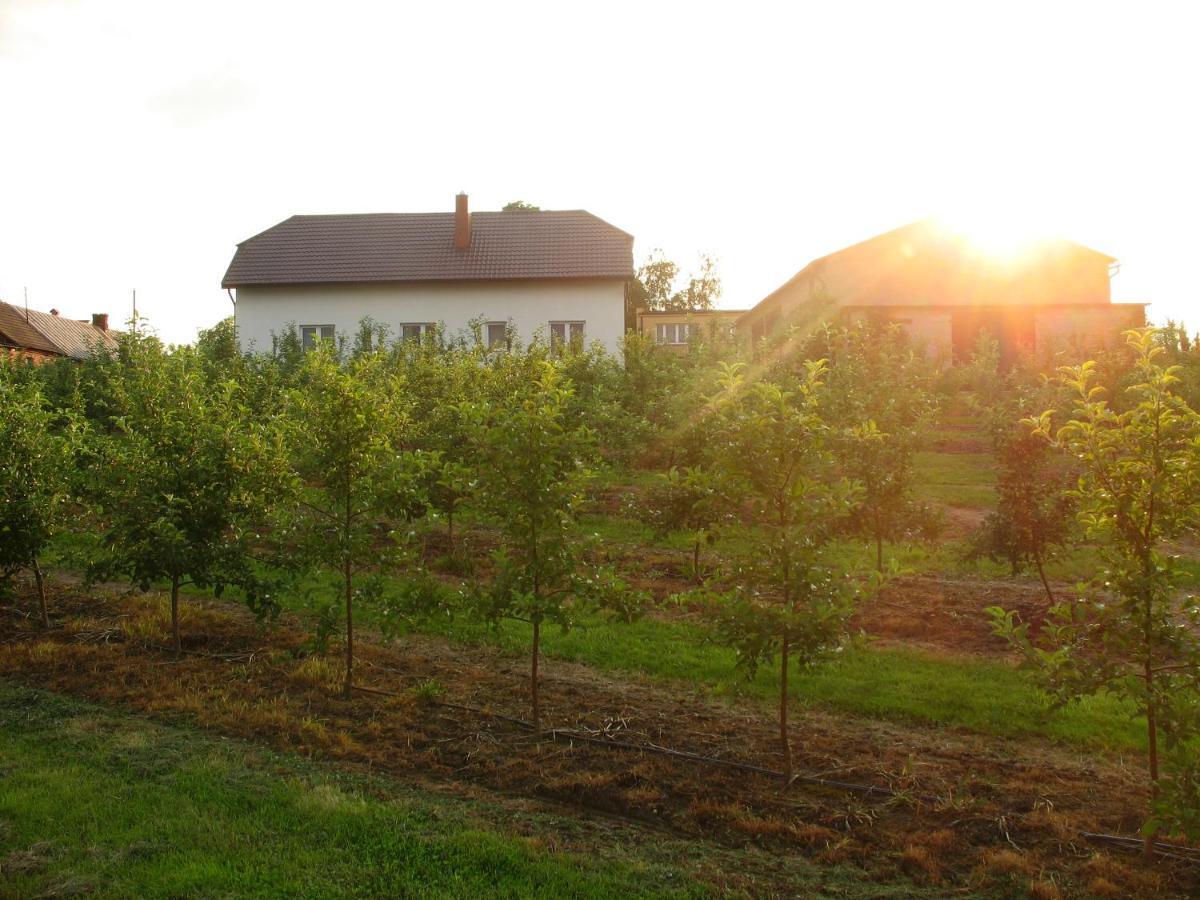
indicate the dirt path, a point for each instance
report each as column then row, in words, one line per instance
column 962, row 810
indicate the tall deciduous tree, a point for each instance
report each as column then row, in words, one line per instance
column 185, row 478
column 37, row 450
column 350, row 424
column 789, row 599
column 656, row 287
column 1134, row 632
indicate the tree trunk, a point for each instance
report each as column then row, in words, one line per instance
column 41, row 589
column 348, row 575
column 533, row 678
column 783, row 709
column 1152, row 744
column 1037, row 559
column 175, row 615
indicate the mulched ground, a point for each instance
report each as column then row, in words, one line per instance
column 947, row 614
column 962, row 811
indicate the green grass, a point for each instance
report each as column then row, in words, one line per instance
column 94, row 801
column 131, row 809
column 956, row 479
column 902, row 685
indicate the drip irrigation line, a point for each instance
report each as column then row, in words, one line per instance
column 566, row 734
column 733, row 764
column 1162, row 848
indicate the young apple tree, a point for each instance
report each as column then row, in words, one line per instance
column 1034, row 502
column 876, row 394
column 37, row 454
column 688, row 500
column 531, row 465
column 789, row 599
column 348, row 424
column 1135, row 632
column 185, row 480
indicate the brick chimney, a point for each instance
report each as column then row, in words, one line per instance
column 100, row 320
column 54, row 312
column 462, row 223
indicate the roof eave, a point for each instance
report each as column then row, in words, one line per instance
column 451, row 279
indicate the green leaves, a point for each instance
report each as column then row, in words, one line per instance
column 37, row 464
column 1132, row 631
column 185, row 474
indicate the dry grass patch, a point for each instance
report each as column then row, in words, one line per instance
column 1043, row 889
column 921, row 863
column 1007, row 862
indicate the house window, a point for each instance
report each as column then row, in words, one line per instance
column 414, row 331
column 310, row 334
column 563, row 332
column 672, row 333
column 497, row 335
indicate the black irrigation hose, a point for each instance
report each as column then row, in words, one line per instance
column 714, row 761
column 1162, row 848
column 563, row 734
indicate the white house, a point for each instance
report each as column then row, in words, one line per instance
column 560, row 274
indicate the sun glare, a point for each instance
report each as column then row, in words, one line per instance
column 999, row 235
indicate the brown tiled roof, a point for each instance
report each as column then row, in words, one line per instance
column 420, row 247
column 52, row 334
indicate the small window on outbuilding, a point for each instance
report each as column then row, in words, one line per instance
column 672, row 333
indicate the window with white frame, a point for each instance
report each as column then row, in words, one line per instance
column 497, row 335
column 672, row 333
column 310, row 334
column 414, row 331
column 563, row 333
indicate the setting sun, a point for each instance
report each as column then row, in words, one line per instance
column 1003, row 236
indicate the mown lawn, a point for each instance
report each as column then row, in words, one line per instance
column 956, row 479
column 93, row 800
column 99, row 802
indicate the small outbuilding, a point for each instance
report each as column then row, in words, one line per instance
column 40, row 337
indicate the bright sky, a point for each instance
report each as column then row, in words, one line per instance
column 140, row 141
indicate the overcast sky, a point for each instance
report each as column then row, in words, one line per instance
column 140, row 141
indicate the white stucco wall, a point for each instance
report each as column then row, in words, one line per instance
column 530, row 305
